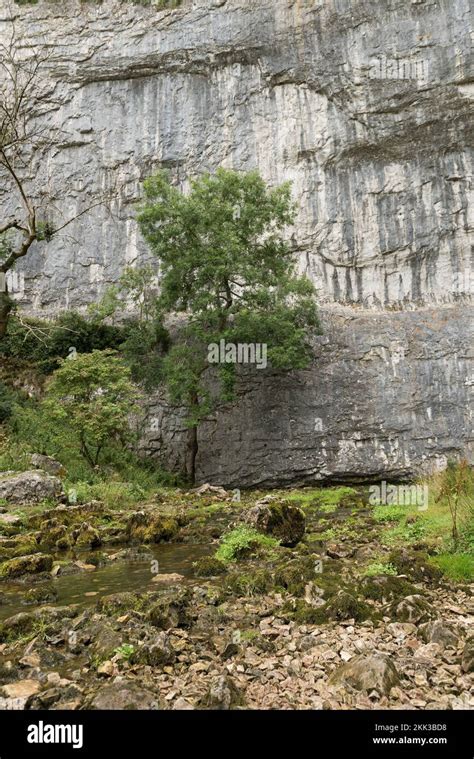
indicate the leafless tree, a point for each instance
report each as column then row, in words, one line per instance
column 23, row 136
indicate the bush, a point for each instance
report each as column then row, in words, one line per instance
column 94, row 394
column 45, row 343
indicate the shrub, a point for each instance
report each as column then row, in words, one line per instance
column 45, row 343
column 94, row 394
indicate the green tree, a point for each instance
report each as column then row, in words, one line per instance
column 93, row 392
column 226, row 265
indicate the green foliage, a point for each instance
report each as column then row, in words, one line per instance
column 6, row 402
column 325, row 500
column 45, row 343
column 143, row 350
column 226, row 265
column 456, row 566
column 388, row 513
column 375, row 569
column 145, row 338
column 126, row 650
column 241, row 542
column 94, row 393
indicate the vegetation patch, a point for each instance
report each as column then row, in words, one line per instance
column 243, row 542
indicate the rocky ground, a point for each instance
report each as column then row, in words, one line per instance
column 298, row 625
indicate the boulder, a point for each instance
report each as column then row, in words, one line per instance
column 171, row 610
column 29, row 487
column 413, row 609
column 367, row 673
column 31, row 564
column 145, row 527
column 21, row 689
column 86, row 536
column 440, row 632
column 47, row 464
column 24, row 622
column 282, row 521
column 172, row 578
column 223, row 694
column 157, row 653
column 124, row 695
column 209, row 567
column 214, row 490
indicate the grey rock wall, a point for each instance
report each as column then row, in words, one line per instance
column 389, row 395
column 367, row 106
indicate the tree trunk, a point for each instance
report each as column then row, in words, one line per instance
column 191, row 453
column 6, row 305
column 192, row 443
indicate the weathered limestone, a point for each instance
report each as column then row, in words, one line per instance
column 366, row 105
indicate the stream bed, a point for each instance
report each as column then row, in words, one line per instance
column 86, row 587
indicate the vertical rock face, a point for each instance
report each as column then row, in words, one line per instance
column 366, row 105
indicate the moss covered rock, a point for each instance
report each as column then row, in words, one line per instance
column 282, row 521
column 386, row 588
column 413, row 609
column 143, row 527
column 415, row 565
column 171, row 610
column 31, row 564
column 367, row 673
column 209, row 567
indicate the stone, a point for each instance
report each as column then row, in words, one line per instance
column 214, row 490
column 338, row 551
column 9, row 519
column 467, row 659
column 86, row 536
column 23, row 488
column 223, row 694
column 47, row 464
column 282, row 521
column 85, row 567
column 401, row 630
column 181, row 704
column 23, row 622
column 106, row 669
column 377, row 144
column 21, row 689
column 172, row 578
column 157, row 653
column 413, row 609
column 171, row 610
column 209, row 567
column 429, row 652
column 367, row 673
column 124, row 695
column 441, row 632
column 21, row 565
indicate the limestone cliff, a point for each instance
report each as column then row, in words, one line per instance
column 366, row 105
